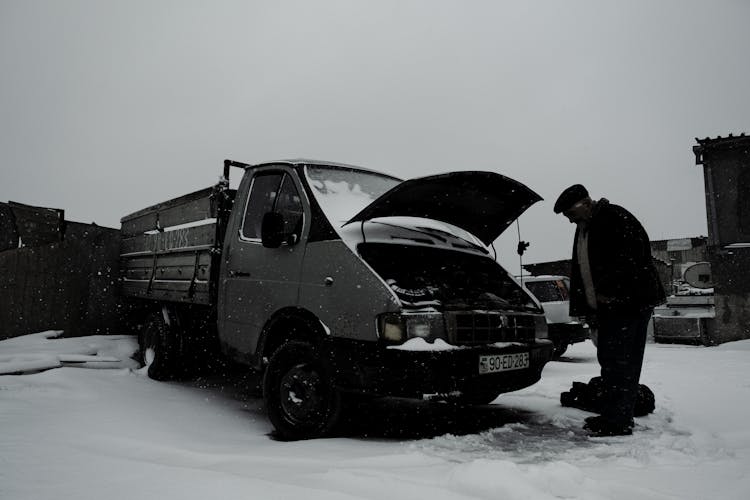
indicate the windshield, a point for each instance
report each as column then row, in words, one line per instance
column 548, row 291
column 344, row 192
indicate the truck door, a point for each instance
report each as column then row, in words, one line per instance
column 258, row 281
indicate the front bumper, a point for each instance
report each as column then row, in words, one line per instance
column 567, row 333
column 372, row 368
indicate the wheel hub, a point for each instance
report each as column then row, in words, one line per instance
column 302, row 395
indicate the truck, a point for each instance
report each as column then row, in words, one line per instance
column 333, row 282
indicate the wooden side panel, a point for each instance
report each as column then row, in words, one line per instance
column 171, row 265
column 179, row 240
column 169, row 250
column 189, row 208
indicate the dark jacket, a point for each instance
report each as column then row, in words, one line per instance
column 621, row 264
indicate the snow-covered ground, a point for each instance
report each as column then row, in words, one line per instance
column 104, row 434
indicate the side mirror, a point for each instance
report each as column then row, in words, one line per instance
column 272, row 230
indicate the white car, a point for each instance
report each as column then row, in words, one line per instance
column 552, row 292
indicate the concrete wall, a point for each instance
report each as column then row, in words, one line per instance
column 731, row 272
column 726, row 172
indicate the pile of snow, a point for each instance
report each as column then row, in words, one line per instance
column 116, row 434
column 44, row 351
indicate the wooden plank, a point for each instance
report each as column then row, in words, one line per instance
column 184, row 239
column 181, row 267
column 169, row 291
column 188, row 208
column 137, row 268
column 171, row 278
column 168, row 266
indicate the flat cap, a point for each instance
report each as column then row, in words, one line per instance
column 570, row 197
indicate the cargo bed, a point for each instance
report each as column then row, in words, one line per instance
column 170, row 251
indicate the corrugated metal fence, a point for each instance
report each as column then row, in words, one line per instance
column 69, row 284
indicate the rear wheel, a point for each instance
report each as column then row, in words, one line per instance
column 560, row 349
column 159, row 348
column 298, row 388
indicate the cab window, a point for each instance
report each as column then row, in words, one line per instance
column 289, row 204
column 272, row 192
column 262, row 197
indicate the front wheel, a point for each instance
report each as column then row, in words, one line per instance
column 477, row 396
column 298, row 389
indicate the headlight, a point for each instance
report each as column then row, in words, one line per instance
column 415, row 329
column 398, row 328
column 391, row 328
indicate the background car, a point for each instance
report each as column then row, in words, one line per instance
column 552, row 292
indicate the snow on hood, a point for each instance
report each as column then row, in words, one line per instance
column 414, row 231
column 482, row 203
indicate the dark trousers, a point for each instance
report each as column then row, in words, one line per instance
column 621, row 343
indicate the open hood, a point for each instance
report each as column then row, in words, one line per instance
column 482, row 203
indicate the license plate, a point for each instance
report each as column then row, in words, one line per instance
column 503, row 362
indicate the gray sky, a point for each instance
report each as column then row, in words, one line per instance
column 106, row 107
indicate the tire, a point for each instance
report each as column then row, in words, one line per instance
column 477, row 396
column 299, row 392
column 559, row 350
column 159, row 348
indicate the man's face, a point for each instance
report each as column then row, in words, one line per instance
column 579, row 212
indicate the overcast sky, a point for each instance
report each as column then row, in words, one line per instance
column 106, row 107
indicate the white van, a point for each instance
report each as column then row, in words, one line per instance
column 552, row 293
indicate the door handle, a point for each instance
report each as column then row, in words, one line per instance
column 239, row 274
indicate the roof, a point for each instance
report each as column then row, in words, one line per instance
column 719, row 143
column 722, row 140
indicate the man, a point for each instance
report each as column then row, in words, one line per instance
column 614, row 283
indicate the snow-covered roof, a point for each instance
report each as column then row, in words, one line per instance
column 323, row 163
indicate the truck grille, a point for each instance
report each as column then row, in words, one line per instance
column 472, row 327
